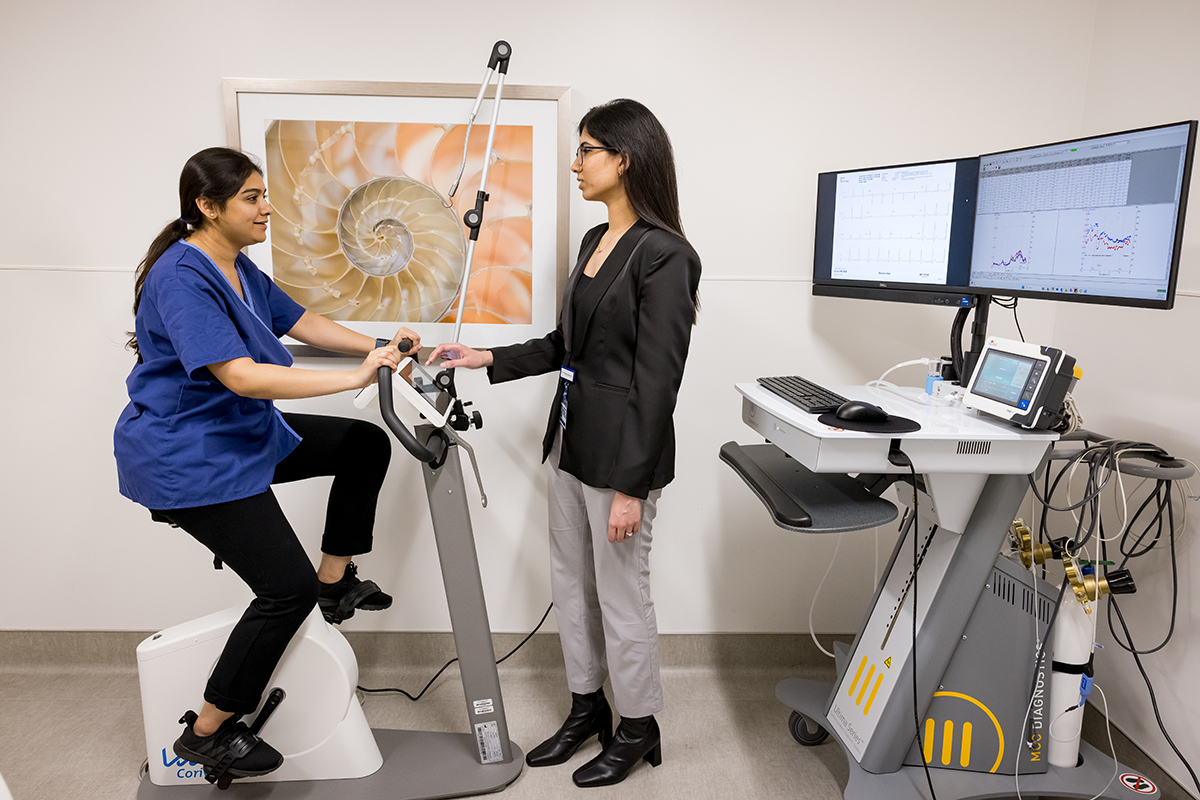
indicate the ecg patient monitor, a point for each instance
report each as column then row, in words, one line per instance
column 421, row 395
column 1022, row 383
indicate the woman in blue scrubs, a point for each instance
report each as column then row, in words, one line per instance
column 201, row 441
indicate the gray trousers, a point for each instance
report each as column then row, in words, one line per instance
column 601, row 593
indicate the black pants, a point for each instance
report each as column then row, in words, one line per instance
column 253, row 537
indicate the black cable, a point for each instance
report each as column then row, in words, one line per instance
column 528, row 637
column 899, row 458
column 1102, row 458
column 446, row 666
column 1011, row 304
column 1043, row 534
column 1106, row 455
column 1154, row 701
column 1130, row 647
column 1133, row 552
column 956, row 333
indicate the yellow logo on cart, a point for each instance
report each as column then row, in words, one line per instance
column 929, row 736
column 866, row 682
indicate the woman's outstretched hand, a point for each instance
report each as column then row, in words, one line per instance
column 459, row 355
column 368, row 372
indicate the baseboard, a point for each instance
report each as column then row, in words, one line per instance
column 116, row 650
column 381, row 652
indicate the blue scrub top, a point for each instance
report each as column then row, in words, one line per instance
column 185, row 440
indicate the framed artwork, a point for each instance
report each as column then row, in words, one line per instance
column 364, row 229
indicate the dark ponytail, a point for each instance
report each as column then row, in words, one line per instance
column 634, row 132
column 217, row 173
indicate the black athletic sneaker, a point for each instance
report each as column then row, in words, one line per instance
column 338, row 601
column 231, row 752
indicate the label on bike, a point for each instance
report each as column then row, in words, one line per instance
column 487, row 736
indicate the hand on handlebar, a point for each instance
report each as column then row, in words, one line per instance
column 368, row 372
column 412, row 336
column 459, row 355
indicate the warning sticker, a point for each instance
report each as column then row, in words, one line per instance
column 1138, row 783
column 487, row 736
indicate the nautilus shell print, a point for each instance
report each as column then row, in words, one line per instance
column 364, row 230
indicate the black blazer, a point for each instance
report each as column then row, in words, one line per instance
column 627, row 346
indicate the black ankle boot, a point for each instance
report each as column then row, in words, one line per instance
column 590, row 715
column 636, row 738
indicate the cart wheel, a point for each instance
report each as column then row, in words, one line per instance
column 805, row 731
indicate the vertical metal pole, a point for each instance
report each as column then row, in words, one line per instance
column 487, row 165
column 468, row 609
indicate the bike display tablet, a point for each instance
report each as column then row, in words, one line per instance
column 422, row 394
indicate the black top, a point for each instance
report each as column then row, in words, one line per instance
column 577, row 296
column 626, row 334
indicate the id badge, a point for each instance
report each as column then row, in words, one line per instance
column 568, row 376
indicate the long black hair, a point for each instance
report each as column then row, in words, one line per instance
column 632, row 130
column 217, row 173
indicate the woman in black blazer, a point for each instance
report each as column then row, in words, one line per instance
column 619, row 348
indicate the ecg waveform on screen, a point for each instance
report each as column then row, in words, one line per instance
column 1017, row 257
column 894, row 223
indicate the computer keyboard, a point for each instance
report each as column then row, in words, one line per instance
column 804, row 393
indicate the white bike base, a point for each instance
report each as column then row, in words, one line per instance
column 417, row 765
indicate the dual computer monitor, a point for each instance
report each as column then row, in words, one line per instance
column 1095, row 220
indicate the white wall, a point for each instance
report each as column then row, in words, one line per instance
column 103, row 102
column 1140, row 380
column 758, row 96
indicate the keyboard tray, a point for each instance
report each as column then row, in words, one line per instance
column 802, row 500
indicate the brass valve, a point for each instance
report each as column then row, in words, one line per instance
column 1030, row 553
column 1089, row 588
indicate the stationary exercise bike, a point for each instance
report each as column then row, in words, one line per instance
column 316, row 721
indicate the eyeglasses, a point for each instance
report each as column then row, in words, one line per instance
column 584, row 149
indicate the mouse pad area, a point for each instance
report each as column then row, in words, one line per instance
column 892, row 424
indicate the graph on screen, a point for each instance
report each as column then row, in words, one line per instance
column 894, row 224
column 1094, row 216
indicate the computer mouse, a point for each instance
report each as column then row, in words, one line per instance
column 860, row 411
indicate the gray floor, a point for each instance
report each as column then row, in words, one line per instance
column 71, row 725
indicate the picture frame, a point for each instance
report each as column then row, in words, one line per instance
column 355, row 171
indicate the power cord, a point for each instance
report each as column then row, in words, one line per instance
column 1103, row 459
column 817, row 594
column 899, row 458
column 1162, row 494
column 1011, row 304
column 446, row 666
column 915, row 362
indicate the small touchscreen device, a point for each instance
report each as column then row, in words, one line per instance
column 420, row 395
column 1022, row 383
